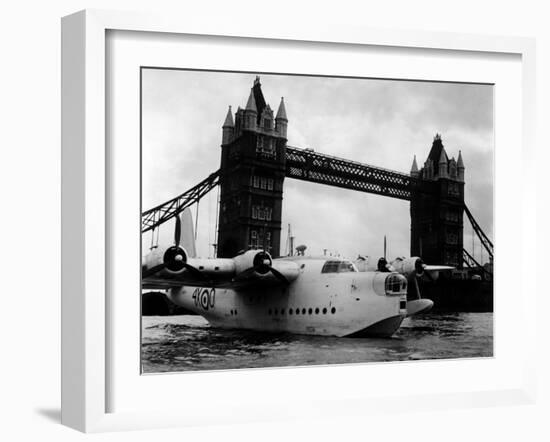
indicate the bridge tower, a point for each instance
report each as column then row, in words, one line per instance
column 252, row 173
column 437, row 208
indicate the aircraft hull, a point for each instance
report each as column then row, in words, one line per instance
column 327, row 305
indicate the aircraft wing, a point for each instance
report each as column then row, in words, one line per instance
column 172, row 267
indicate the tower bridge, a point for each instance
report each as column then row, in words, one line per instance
column 255, row 160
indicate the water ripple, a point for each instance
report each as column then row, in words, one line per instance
column 184, row 343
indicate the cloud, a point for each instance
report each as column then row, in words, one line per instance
column 379, row 122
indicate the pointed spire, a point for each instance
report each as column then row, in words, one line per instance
column 228, row 128
column 251, row 103
column 443, row 156
column 414, row 167
column 281, row 113
column 229, row 119
column 460, row 163
column 460, row 167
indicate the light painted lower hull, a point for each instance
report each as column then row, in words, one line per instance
column 331, row 308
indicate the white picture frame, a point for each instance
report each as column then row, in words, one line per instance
column 86, row 317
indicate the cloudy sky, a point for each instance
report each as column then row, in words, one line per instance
column 379, row 122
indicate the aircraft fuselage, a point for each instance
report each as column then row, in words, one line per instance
column 330, row 304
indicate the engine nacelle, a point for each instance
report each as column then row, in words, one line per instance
column 174, row 259
column 408, row 266
column 260, row 260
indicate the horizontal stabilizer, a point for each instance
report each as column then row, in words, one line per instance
column 434, row 268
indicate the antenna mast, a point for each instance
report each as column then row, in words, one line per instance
column 289, row 243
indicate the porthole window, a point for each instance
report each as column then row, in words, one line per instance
column 333, row 310
column 324, row 311
column 317, row 311
column 289, row 311
column 303, row 311
column 310, row 311
column 297, row 311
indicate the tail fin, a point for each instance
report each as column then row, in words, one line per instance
column 187, row 233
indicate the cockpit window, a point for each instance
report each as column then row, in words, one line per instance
column 338, row 266
column 330, row 267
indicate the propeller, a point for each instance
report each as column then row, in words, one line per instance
column 263, row 264
column 382, row 265
column 279, row 276
column 177, row 231
column 424, row 270
column 175, row 258
column 419, row 267
column 417, row 288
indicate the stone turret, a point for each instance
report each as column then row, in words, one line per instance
column 281, row 120
column 452, row 168
column 460, row 167
column 250, row 113
column 228, row 128
column 414, row 168
column 442, row 172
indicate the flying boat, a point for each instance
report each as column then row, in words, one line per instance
column 299, row 294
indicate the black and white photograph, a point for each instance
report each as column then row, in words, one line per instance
column 294, row 220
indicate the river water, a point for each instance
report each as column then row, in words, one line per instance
column 185, row 343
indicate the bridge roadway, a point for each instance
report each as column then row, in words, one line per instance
column 308, row 165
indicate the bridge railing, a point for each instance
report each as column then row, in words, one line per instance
column 293, row 150
column 308, row 165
